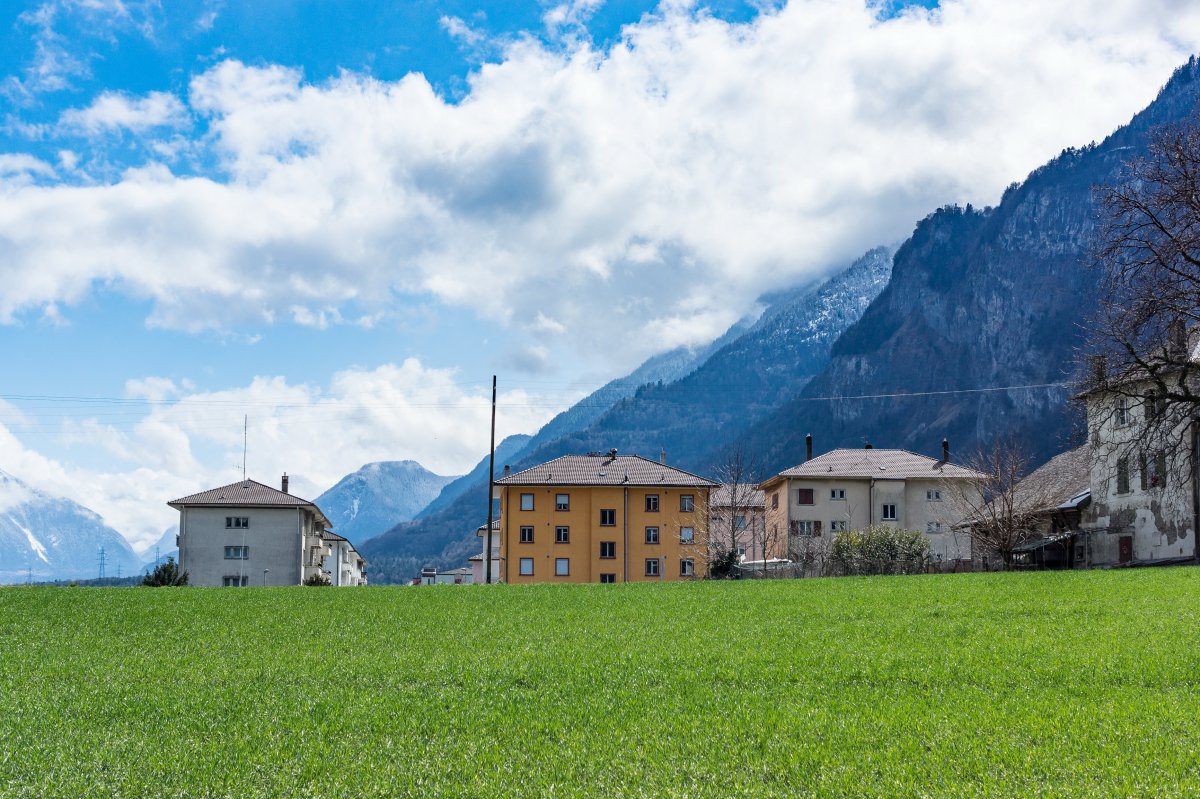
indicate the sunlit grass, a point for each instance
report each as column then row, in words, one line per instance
column 1078, row 684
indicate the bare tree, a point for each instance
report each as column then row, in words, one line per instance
column 735, row 512
column 999, row 510
column 1148, row 249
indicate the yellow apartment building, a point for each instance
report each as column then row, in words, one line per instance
column 603, row 518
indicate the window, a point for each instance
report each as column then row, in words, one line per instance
column 933, row 495
column 608, row 550
column 652, row 503
column 608, row 518
column 1154, row 404
column 651, row 567
column 526, row 569
column 739, row 522
column 687, row 503
column 562, row 535
column 237, row 553
column 804, row 496
column 527, row 502
column 687, row 535
column 562, row 567
column 237, row 522
column 775, row 500
column 687, row 567
column 889, row 513
column 1123, row 475
column 741, row 551
column 562, row 502
column 1122, row 414
column 235, row 581
column 804, row 528
column 1154, row 470
column 837, row 494
column 608, row 578
column 526, row 535
column 651, row 535
column 933, row 528
column 837, row 526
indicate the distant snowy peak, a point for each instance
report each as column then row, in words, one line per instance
column 378, row 496
column 52, row 538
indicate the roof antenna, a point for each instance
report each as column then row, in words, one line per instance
column 245, row 442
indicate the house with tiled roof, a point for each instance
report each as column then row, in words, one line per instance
column 603, row 518
column 852, row 489
column 248, row 533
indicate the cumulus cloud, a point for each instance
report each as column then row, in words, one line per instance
column 184, row 441
column 659, row 185
column 116, row 111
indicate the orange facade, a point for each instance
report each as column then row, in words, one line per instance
column 592, row 534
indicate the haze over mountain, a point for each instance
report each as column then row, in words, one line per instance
column 379, row 496
column 51, row 538
column 684, row 402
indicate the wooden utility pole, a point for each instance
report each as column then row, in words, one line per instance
column 487, row 536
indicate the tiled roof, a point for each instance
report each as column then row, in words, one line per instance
column 747, row 496
column 896, row 464
column 1058, row 482
column 243, row 492
column 605, row 470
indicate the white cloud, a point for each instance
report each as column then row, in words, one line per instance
column 185, row 441
column 659, row 186
column 116, row 111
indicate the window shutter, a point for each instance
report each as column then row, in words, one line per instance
column 817, row 529
column 1143, row 471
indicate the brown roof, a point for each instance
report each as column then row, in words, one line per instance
column 245, row 493
column 605, row 470
column 748, row 496
column 895, row 464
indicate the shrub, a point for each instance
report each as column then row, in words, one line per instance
column 166, row 573
column 320, row 578
column 880, row 549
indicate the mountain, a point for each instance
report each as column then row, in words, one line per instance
column 683, row 401
column 164, row 546
column 375, row 498
column 979, row 301
column 505, row 450
column 51, row 538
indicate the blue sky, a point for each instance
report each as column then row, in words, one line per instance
column 339, row 219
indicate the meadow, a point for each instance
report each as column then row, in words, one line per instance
column 1032, row 684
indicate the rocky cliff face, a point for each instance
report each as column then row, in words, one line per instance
column 979, row 300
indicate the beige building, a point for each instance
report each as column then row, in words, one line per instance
column 849, row 489
column 247, row 533
column 736, row 514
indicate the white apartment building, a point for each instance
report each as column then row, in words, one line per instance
column 247, row 533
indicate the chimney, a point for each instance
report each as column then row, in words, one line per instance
column 612, row 454
column 945, row 450
column 507, row 469
column 662, row 456
column 284, row 483
column 808, row 448
column 1099, row 370
column 867, row 444
column 1177, row 339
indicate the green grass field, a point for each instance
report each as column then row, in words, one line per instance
column 1077, row 684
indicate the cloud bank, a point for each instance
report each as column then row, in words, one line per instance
column 653, row 189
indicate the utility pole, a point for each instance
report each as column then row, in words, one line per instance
column 487, row 546
column 245, row 442
column 118, row 571
column 102, row 560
